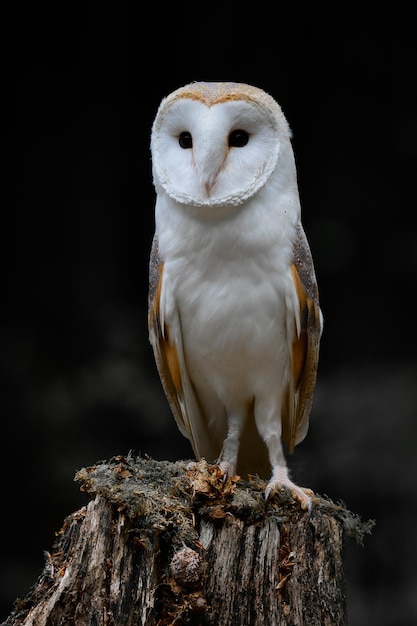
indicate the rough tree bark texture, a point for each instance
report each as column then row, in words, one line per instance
column 162, row 544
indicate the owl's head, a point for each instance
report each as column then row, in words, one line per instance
column 217, row 144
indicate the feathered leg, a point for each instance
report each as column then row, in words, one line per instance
column 228, row 457
column 269, row 427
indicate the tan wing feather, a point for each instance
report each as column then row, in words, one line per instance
column 166, row 355
column 170, row 362
column 305, row 346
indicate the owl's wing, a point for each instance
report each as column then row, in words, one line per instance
column 305, row 345
column 166, row 354
column 167, row 345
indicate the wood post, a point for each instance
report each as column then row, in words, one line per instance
column 161, row 544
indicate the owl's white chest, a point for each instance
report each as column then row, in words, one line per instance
column 234, row 322
column 228, row 294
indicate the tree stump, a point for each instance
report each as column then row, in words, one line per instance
column 166, row 543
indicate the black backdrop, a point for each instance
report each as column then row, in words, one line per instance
column 81, row 84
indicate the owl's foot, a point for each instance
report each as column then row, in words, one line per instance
column 280, row 479
column 227, row 470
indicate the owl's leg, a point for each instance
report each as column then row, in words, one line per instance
column 228, row 457
column 269, row 428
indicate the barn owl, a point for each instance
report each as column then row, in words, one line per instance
column 234, row 315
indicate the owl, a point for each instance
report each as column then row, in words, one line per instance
column 234, row 315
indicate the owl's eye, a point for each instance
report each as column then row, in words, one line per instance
column 238, row 138
column 185, row 140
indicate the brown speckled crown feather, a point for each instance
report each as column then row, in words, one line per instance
column 211, row 93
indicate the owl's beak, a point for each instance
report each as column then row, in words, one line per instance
column 208, row 186
column 208, row 176
column 209, row 161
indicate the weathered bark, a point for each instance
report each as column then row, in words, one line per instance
column 161, row 544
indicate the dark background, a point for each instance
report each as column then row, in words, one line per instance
column 80, row 87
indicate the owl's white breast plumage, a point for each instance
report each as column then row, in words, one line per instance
column 233, row 327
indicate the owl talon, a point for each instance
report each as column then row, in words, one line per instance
column 227, row 470
column 269, row 491
column 302, row 495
